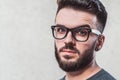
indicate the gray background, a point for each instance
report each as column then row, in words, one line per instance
column 27, row 46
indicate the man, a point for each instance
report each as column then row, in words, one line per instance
column 78, row 29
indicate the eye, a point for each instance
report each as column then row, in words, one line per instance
column 82, row 32
column 60, row 30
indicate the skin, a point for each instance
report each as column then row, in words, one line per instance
column 72, row 18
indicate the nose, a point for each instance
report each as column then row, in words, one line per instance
column 69, row 38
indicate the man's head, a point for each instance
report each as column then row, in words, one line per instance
column 92, row 6
column 78, row 32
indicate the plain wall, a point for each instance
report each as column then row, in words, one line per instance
column 27, row 45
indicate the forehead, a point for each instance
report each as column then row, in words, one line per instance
column 72, row 18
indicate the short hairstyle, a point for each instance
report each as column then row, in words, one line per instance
column 92, row 6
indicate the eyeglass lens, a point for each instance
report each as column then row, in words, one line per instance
column 79, row 33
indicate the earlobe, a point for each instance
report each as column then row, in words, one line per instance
column 100, row 42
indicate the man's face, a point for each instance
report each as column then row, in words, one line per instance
column 73, row 55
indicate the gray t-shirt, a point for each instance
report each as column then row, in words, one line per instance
column 101, row 75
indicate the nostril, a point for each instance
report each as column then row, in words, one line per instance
column 69, row 45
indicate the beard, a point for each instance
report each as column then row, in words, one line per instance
column 71, row 66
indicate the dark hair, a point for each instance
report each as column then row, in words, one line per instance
column 92, row 6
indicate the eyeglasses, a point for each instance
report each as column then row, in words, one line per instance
column 79, row 33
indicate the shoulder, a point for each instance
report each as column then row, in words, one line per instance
column 102, row 75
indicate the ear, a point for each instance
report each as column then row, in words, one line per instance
column 100, row 42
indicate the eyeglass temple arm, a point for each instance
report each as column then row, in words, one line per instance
column 96, row 32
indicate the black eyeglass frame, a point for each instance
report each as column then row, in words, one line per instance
column 73, row 31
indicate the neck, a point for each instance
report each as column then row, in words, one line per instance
column 85, row 73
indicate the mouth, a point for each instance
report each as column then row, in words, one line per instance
column 69, row 52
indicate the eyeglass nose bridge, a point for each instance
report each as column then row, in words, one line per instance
column 72, row 33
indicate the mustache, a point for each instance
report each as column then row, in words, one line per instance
column 69, row 46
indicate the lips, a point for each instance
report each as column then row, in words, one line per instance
column 69, row 51
column 68, row 54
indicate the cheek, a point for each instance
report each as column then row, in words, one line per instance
column 84, row 46
column 59, row 44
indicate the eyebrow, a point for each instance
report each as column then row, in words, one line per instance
column 85, row 25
